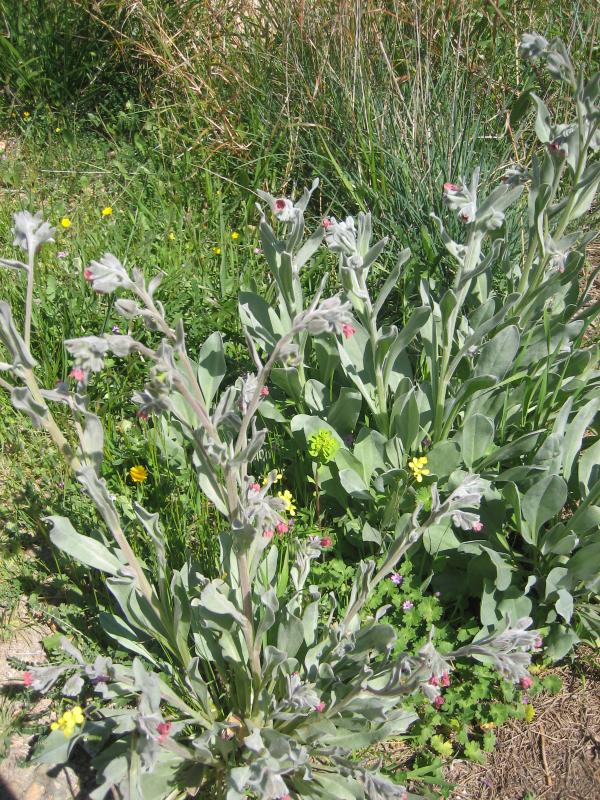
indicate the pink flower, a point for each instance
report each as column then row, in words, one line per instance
column 526, row 682
column 77, row 374
column 257, row 250
column 116, row 329
column 348, row 330
column 143, row 415
column 478, row 526
column 445, row 680
column 451, row 187
column 320, row 707
column 255, row 487
column 397, row 578
column 281, row 528
column 88, row 275
column 61, row 254
column 280, row 204
column 538, row 642
column 327, row 223
column 407, row 605
column 264, row 392
column 326, row 541
column 433, row 681
column 27, row 679
column 163, row 729
column 286, row 797
column 268, row 533
column 439, row 701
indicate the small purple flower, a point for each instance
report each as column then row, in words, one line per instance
column 525, row 700
column 397, row 578
column 315, row 540
column 61, row 254
column 407, row 605
column 116, row 329
column 61, row 484
column 426, row 443
column 257, row 250
column 437, row 594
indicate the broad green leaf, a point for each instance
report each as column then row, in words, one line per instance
column 477, row 436
column 84, row 549
column 344, row 413
column 575, row 432
column 443, row 459
column 542, row 502
column 498, row 355
column 439, row 538
column 584, row 566
column 211, row 367
column 589, row 467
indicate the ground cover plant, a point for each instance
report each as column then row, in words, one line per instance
column 252, row 681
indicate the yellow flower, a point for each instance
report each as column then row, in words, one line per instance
column 172, row 236
column 26, row 115
column 107, row 211
column 289, row 501
column 68, row 721
column 278, row 477
column 235, row 235
column 138, row 473
column 57, row 130
column 65, row 222
column 416, row 465
column 217, row 251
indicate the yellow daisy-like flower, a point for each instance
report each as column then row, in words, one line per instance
column 26, row 115
column 288, row 499
column 417, row 467
column 138, row 473
column 68, row 721
column 217, row 251
column 107, row 211
column 172, row 236
column 65, row 222
column 278, row 477
column 235, row 235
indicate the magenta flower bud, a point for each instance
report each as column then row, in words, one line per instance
column 433, row 681
column 407, row 605
column 281, row 528
column 526, row 682
column 264, row 392
column 320, row 707
column 268, row 533
column 27, row 679
column 326, row 541
column 478, row 526
column 163, row 729
column 77, row 374
column 439, row 701
column 396, row 578
column 445, row 680
column 348, row 331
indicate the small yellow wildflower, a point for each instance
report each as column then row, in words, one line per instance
column 290, row 507
column 416, row 465
column 172, row 236
column 138, row 473
column 68, row 721
column 235, row 235
column 278, row 477
column 57, row 130
column 107, row 211
column 65, row 222
column 26, row 115
column 217, row 251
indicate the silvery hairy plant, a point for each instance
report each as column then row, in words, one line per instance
column 237, row 686
column 503, row 382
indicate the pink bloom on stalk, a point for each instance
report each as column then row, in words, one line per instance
column 526, row 682
column 280, row 204
column 327, row 223
column 255, row 487
column 433, row 681
column 439, row 701
column 538, row 642
column 257, row 250
column 451, row 187
column 281, row 528
column 264, row 392
column 62, row 254
column 326, row 541
column 143, row 415
column 27, row 679
column 320, row 707
column 478, row 526
column 163, row 729
column 407, row 605
column 348, row 330
column 77, row 374
column 445, row 680
column 397, row 578
column 268, row 533
column 88, row 275
column 286, row 797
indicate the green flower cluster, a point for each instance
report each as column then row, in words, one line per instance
column 322, row 446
